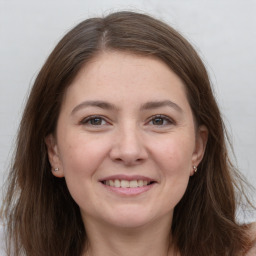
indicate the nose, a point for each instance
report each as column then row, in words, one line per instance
column 128, row 147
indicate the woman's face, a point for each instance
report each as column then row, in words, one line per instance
column 126, row 141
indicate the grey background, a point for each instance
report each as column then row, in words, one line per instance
column 223, row 32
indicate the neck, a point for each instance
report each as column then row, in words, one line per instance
column 150, row 240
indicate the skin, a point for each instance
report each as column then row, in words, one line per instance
column 132, row 136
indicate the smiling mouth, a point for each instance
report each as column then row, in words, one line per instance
column 127, row 183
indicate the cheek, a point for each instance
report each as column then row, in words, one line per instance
column 176, row 174
column 81, row 155
column 81, row 159
column 78, row 147
column 176, row 155
column 174, row 159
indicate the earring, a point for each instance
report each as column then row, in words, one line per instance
column 194, row 168
column 56, row 169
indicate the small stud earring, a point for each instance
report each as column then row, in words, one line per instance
column 56, row 169
column 194, row 168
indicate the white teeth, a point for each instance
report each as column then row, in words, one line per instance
column 140, row 183
column 133, row 184
column 126, row 183
column 117, row 183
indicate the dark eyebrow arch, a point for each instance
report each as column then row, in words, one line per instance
column 94, row 103
column 109, row 106
column 159, row 104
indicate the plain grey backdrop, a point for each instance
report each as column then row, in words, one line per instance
column 222, row 31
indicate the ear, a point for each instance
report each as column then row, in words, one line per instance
column 53, row 155
column 200, row 145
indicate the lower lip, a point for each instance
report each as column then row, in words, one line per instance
column 129, row 191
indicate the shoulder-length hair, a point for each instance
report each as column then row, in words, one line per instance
column 42, row 217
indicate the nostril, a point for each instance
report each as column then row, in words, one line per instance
column 118, row 159
column 128, row 160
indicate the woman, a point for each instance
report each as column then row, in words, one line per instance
column 121, row 150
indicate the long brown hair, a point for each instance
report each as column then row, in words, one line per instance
column 43, row 219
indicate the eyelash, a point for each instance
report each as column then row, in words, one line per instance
column 86, row 120
column 165, row 120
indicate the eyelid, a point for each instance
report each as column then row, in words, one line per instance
column 85, row 120
column 169, row 119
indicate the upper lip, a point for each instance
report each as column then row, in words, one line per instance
column 127, row 177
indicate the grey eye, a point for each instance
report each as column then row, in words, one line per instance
column 96, row 121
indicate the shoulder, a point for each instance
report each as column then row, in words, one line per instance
column 252, row 233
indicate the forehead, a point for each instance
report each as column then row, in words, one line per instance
column 119, row 75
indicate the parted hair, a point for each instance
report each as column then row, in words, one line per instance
column 41, row 216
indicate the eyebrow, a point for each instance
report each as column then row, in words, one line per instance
column 94, row 103
column 159, row 104
column 109, row 106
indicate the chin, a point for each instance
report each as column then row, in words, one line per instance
column 130, row 222
column 132, row 217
